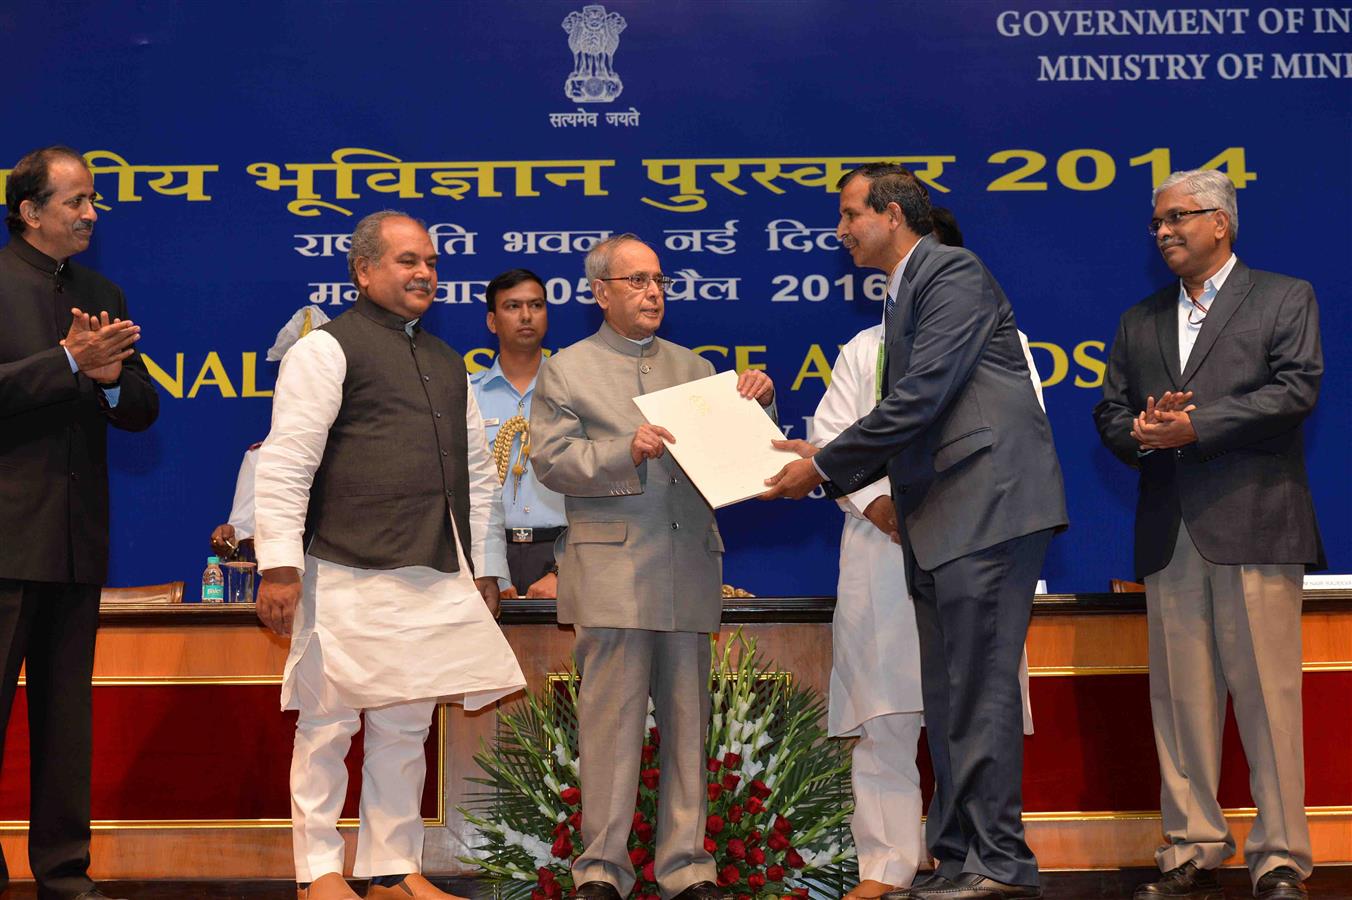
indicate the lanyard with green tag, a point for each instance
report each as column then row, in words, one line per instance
column 882, row 364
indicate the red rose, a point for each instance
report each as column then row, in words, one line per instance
column 800, row 892
column 649, row 778
column 754, row 805
column 732, row 760
column 648, row 872
column 736, row 849
column 554, row 891
column 755, row 856
column 777, row 841
column 710, row 846
column 730, row 781
column 714, row 791
column 563, row 847
column 638, row 818
column 783, row 825
column 572, row 796
column 793, row 859
column 756, row 881
column 734, row 813
column 753, row 838
column 728, row 875
column 575, row 820
column 775, row 873
column 545, row 874
column 714, row 824
column 637, row 857
column 743, row 897
column 758, row 789
column 561, row 829
column 713, row 764
column 649, row 752
column 644, row 832
column 657, row 738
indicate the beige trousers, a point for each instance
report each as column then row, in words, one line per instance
column 1216, row 629
column 620, row 667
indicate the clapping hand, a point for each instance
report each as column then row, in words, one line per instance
column 1165, row 424
column 99, row 344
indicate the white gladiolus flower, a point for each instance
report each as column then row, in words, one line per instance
column 552, row 783
column 650, row 723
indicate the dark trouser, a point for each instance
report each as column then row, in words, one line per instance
column 51, row 627
column 528, row 563
column 972, row 614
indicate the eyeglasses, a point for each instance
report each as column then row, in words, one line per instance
column 1178, row 215
column 639, row 281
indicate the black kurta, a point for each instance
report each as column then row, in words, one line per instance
column 53, row 423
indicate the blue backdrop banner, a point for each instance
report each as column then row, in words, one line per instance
column 235, row 145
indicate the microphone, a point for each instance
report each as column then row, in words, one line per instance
column 56, row 277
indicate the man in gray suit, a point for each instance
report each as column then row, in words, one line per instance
column 978, row 493
column 640, row 574
column 1225, row 528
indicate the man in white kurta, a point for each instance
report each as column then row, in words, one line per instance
column 875, row 665
column 370, row 636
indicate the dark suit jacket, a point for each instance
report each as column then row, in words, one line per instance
column 1254, row 373
column 960, row 432
column 53, row 423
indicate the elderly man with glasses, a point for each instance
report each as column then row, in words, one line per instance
column 1208, row 385
column 640, row 574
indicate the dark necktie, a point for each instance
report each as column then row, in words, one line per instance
column 889, row 309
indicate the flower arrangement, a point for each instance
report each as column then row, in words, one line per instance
column 779, row 792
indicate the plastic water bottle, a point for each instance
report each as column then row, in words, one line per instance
column 213, row 581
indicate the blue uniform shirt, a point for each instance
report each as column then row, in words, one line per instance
column 531, row 505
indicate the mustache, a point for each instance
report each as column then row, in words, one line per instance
column 1169, row 242
column 419, row 284
column 79, row 227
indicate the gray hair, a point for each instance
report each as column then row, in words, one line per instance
column 367, row 242
column 1210, row 188
column 597, row 263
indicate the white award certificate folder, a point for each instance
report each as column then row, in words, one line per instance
column 722, row 438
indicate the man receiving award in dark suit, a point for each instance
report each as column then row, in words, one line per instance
column 978, row 494
column 1208, row 384
column 67, row 371
column 640, row 571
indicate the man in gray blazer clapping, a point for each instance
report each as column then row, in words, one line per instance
column 1208, row 385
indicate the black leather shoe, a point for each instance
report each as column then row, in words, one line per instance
column 1184, row 881
column 701, row 890
column 1282, row 883
column 971, row 886
column 932, row 880
column 94, row 895
column 595, row 890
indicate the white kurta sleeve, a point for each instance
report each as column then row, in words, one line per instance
column 487, row 522
column 242, row 510
column 305, row 404
column 1032, row 370
column 852, row 393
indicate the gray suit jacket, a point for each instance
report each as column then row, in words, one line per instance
column 960, row 431
column 1254, row 373
column 642, row 549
